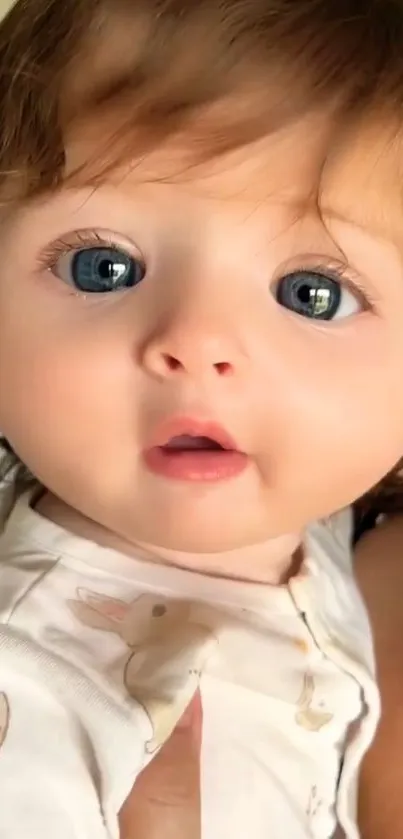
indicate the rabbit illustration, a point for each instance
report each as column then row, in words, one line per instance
column 4, row 717
column 306, row 716
column 167, row 652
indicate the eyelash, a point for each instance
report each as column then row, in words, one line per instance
column 342, row 274
column 84, row 239
column 339, row 272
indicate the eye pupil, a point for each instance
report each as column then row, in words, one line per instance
column 304, row 294
column 107, row 269
column 310, row 294
column 102, row 270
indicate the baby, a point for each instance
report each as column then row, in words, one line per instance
column 201, row 357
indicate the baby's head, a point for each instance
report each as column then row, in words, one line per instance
column 202, row 234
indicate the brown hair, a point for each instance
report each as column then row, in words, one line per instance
column 164, row 66
column 171, row 61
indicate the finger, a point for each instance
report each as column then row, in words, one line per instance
column 165, row 800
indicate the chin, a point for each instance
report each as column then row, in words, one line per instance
column 189, row 541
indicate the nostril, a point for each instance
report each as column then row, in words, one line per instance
column 171, row 362
column 223, row 368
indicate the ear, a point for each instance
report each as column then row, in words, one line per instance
column 99, row 611
column 4, row 717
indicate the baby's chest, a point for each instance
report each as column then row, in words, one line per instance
column 270, row 766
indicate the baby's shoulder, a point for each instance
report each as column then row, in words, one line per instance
column 27, row 559
column 334, row 536
column 341, row 526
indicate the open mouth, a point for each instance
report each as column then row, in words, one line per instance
column 192, row 451
column 190, row 443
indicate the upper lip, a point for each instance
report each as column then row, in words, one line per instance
column 192, row 427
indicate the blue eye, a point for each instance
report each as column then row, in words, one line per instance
column 313, row 295
column 102, row 270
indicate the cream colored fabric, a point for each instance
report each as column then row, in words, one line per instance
column 101, row 653
column 8, row 486
column 5, row 6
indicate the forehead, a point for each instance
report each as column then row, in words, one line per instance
column 353, row 173
column 362, row 178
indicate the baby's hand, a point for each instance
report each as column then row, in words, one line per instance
column 165, row 800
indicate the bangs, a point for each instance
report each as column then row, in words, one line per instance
column 213, row 75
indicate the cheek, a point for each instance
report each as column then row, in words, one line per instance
column 63, row 395
column 346, row 401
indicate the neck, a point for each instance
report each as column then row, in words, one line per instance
column 272, row 562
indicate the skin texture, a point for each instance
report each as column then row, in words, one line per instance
column 168, row 791
column 304, row 399
column 86, row 380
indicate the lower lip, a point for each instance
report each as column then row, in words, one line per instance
column 195, row 466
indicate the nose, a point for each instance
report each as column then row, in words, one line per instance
column 198, row 346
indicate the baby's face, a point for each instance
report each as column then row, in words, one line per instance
column 152, row 305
